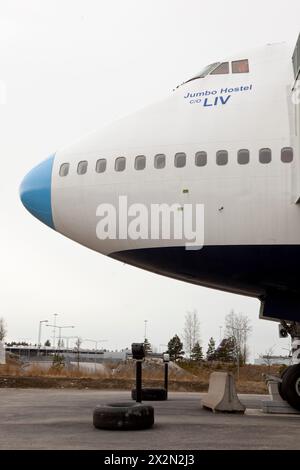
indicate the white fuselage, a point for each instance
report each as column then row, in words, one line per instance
column 258, row 199
column 245, row 205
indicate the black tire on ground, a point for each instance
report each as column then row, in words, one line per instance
column 123, row 416
column 151, row 394
column 280, row 390
column 291, row 386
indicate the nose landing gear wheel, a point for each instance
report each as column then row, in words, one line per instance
column 280, row 390
column 290, row 386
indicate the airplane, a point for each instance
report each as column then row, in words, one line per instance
column 227, row 140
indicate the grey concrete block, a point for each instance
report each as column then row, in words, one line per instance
column 222, row 396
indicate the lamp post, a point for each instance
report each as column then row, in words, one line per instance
column 40, row 334
column 59, row 335
column 166, row 359
column 54, row 328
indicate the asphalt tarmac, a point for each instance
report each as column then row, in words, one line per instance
column 62, row 419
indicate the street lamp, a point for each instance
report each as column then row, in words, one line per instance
column 40, row 334
column 59, row 336
column 54, row 328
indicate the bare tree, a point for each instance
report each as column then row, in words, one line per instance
column 191, row 331
column 238, row 326
column 3, row 329
column 267, row 356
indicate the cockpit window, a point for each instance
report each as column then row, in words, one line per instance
column 203, row 72
column 240, row 66
column 206, row 71
column 221, row 69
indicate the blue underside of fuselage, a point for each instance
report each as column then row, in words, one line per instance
column 268, row 272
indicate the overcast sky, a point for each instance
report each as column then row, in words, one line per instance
column 71, row 66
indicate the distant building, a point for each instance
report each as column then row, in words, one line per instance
column 115, row 355
column 46, row 353
column 273, row 360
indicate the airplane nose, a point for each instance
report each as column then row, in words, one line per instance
column 35, row 191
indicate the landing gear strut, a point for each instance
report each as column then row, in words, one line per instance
column 289, row 388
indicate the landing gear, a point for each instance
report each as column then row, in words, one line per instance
column 289, row 388
column 280, row 388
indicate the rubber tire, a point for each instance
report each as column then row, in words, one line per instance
column 151, row 394
column 123, row 416
column 289, row 380
column 280, row 390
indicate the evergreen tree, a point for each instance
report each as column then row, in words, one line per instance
column 47, row 343
column 197, row 353
column 211, row 350
column 175, row 348
column 226, row 352
column 147, row 346
column 61, row 343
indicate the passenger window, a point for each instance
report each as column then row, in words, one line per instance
column 265, row 155
column 287, row 155
column 101, row 165
column 243, row 156
column 82, row 167
column 140, row 162
column 159, row 161
column 64, row 169
column 120, row 164
column 222, row 157
column 200, row 158
column 240, row 66
column 180, row 160
column 221, row 69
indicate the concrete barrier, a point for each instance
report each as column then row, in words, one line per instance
column 222, row 396
column 276, row 405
